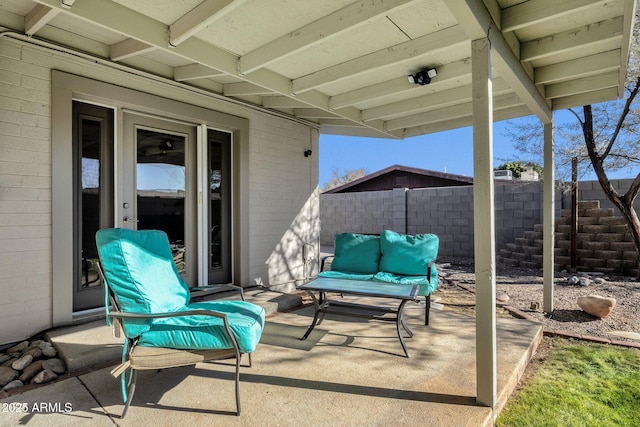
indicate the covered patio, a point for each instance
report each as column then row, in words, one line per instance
column 342, row 67
column 348, row 372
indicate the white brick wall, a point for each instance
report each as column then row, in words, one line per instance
column 283, row 200
column 25, row 196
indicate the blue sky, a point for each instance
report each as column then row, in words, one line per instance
column 449, row 151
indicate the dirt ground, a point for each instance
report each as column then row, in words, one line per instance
column 523, row 289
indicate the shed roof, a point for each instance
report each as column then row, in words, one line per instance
column 464, row 180
column 343, row 64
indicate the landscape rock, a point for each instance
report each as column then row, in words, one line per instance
column 7, row 375
column 597, row 305
column 13, row 384
column 9, row 361
column 502, row 298
column 18, row 348
column 44, row 377
column 573, row 280
column 36, row 343
column 49, row 350
column 4, row 358
column 22, row 363
column 55, row 365
column 583, row 281
column 30, row 371
column 35, row 352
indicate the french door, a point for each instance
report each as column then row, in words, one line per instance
column 158, row 191
column 161, row 174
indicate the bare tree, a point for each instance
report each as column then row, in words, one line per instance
column 605, row 135
column 338, row 179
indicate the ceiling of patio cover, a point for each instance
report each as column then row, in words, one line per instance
column 343, row 64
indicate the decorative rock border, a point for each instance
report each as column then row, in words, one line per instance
column 29, row 362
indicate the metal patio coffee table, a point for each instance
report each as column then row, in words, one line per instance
column 323, row 305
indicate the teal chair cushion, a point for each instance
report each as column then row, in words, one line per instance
column 139, row 268
column 406, row 254
column 356, row 253
column 194, row 332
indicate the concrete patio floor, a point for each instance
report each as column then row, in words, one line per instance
column 349, row 372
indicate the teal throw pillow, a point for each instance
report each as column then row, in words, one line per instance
column 356, row 253
column 407, row 254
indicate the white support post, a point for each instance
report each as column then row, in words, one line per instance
column 484, row 223
column 548, row 219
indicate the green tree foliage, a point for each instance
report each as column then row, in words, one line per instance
column 517, row 167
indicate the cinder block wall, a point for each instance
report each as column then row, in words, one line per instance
column 447, row 212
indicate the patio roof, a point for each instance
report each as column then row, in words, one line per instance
column 343, row 64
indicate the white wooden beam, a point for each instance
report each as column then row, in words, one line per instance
column 282, row 102
column 451, row 112
column 580, row 67
column 629, row 9
column 115, row 17
column 428, row 44
column 474, row 18
column 313, row 113
column 583, row 85
column 484, row 224
column 245, row 88
column 198, row 18
column 38, row 18
column 194, row 72
column 549, row 215
column 318, row 31
column 498, row 115
column 600, row 32
column 447, row 72
column 128, row 48
column 594, row 97
column 428, row 101
column 534, row 12
column 337, row 122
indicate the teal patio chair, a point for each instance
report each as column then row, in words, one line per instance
column 151, row 306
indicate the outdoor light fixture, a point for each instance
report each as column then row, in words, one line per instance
column 422, row 77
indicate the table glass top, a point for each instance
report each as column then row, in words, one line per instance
column 362, row 287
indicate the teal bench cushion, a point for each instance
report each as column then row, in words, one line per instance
column 426, row 286
column 345, row 275
column 406, row 254
column 246, row 321
column 356, row 253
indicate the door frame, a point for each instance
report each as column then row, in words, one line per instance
column 68, row 87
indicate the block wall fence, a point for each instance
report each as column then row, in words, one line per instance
column 448, row 212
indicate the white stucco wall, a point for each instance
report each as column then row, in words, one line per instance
column 282, row 210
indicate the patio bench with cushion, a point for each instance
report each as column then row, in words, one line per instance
column 387, row 258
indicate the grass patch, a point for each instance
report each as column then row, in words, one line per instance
column 579, row 384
